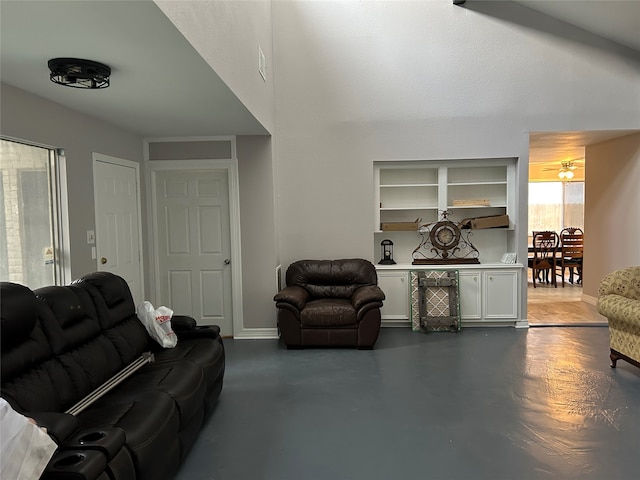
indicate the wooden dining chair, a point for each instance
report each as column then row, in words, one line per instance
column 571, row 252
column 545, row 245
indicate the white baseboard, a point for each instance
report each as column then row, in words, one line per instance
column 257, row 334
column 589, row 299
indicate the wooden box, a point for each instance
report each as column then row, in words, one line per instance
column 492, row 221
column 399, row 226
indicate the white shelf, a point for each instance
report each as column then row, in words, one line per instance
column 409, row 185
column 418, row 207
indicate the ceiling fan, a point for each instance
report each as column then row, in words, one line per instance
column 566, row 169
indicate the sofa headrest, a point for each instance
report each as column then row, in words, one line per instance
column 114, row 289
column 332, row 278
column 68, row 316
column 64, row 304
column 18, row 313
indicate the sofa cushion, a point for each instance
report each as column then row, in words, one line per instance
column 150, row 422
column 18, row 313
column 24, row 344
column 70, row 319
column 327, row 312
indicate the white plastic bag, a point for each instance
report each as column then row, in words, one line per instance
column 25, row 447
column 158, row 323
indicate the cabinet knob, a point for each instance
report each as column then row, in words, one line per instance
column 103, row 260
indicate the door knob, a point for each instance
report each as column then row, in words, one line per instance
column 227, row 261
column 103, row 260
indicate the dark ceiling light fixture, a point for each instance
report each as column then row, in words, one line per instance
column 79, row 73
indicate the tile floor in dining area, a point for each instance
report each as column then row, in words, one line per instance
column 548, row 306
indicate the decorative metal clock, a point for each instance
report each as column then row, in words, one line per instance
column 444, row 242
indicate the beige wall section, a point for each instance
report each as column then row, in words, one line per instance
column 227, row 35
column 421, row 80
column 192, row 150
column 33, row 119
column 259, row 262
column 612, row 209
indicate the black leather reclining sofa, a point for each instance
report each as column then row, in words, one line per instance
column 61, row 343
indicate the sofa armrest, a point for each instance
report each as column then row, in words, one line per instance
column 182, row 322
column 624, row 282
column 293, row 295
column 60, row 426
column 204, row 331
column 366, row 294
column 619, row 309
column 77, row 465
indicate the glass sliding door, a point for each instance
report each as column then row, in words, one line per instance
column 555, row 205
column 29, row 253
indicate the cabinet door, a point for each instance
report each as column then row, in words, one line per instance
column 470, row 298
column 500, row 289
column 395, row 286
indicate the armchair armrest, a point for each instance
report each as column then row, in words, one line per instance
column 293, row 295
column 367, row 294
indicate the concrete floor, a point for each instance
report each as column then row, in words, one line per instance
column 487, row 403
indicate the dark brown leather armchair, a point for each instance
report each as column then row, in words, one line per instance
column 330, row 303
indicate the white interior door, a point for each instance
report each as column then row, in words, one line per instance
column 194, row 246
column 117, row 204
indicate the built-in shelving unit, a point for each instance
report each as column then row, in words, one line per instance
column 467, row 188
column 407, row 193
column 419, row 190
column 409, row 190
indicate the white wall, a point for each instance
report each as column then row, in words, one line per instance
column 33, row 119
column 227, row 35
column 364, row 81
column 612, row 209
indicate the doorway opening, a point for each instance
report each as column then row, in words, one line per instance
column 556, row 201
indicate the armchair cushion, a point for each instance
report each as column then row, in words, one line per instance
column 326, row 312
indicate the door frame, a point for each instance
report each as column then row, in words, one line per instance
column 229, row 165
column 99, row 157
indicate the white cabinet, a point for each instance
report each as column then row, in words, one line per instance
column 500, row 294
column 489, row 293
column 470, row 295
column 395, row 285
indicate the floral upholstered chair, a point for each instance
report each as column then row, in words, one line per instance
column 619, row 301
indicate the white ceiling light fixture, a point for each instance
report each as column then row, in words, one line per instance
column 566, row 171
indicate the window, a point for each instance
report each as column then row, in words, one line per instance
column 555, row 205
column 31, row 252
